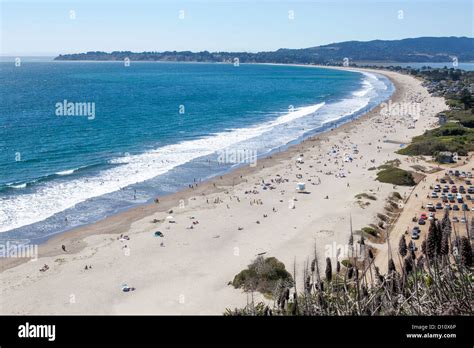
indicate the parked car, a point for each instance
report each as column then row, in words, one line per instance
column 468, row 182
column 443, row 181
column 434, row 195
column 468, row 197
column 447, row 206
column 421, row 221
column 465, row 207
column 415, row 233
column 439, row 206
column 430, row 207
column 455, row 207
column 455, row 219
column 463, row 220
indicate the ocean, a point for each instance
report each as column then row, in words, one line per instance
column 84, row 140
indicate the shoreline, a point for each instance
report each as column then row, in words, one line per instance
column 201, row 260
column 146, row 208
column 51, row 246
column 53, row 217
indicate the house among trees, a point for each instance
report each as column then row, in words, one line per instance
column 446, row 157
column 442, row 118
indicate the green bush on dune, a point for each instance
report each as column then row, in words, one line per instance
column 396, row 176
column 262, row 275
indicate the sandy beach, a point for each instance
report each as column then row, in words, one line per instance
column 220, row 226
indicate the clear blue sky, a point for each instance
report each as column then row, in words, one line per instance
column 44, row 27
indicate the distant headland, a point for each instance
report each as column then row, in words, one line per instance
column 422, row 49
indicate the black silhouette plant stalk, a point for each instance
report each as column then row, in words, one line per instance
column 328, row 270
column 466, row 252
column 402, row 246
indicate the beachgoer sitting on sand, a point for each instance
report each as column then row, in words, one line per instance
column 126, row 288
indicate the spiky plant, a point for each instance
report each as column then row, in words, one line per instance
column 446, row 223
column 431, row 242
column 466, row 252
column 391, row 265
column 407, row 265
column 328, row 270
column 402, row 246
column 445, row 244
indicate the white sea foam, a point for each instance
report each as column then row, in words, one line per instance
column 19, row 186
column 66, row 172
column 367, row 86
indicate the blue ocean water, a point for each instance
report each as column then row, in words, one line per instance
column 156, row 128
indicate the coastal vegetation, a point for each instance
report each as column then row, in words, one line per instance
column 263, row 275
column 436, row 280
column 366, row 196
column 452, row 137
column 396, row 176
column 370, row 231
column 456, row 133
